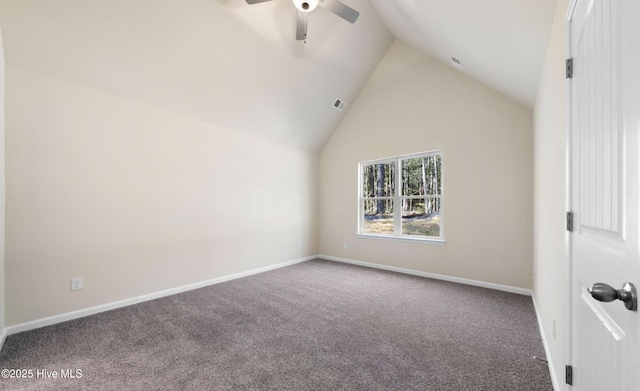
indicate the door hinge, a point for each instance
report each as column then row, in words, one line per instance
column 570, row 221
column 568, row 375
column 569, row 68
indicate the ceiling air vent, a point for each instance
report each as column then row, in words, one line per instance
column 457, row 63
column 339, row 104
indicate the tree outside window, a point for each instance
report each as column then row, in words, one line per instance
column 402, row 196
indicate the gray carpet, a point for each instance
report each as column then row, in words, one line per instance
column 318, row 325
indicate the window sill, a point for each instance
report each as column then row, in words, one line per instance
column 435, row 241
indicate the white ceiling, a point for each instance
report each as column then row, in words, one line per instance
column 502, row 43
column 224, row 62
column 239, row 66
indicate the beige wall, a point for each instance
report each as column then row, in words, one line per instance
column 411, row 104
column 550, row 116
column 136, row 199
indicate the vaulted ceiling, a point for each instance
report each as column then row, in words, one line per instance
column 239, row 66
column 501, row 43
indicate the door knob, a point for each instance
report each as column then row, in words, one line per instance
column 606, row 293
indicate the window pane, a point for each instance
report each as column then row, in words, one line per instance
column 422, row 176
column 378, row 180
column 433, row 171
column 412, row 184
column 412, row 177
column 378, row 216
column 421, row 217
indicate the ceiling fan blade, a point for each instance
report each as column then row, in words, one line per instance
column 257, row 1
column 301, row 28
column 342, row 10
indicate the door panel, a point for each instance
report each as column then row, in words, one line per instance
column 601, row 150
column 604, row 180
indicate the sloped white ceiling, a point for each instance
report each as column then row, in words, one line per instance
column 221, row 61
column 502, row 43
column 239, row 66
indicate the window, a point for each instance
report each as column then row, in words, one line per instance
column 401, row 197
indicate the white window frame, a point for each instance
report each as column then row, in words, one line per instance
column 397, row 200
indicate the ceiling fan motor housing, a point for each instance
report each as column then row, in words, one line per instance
column 306, row 5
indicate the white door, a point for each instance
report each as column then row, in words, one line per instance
column 604, row 245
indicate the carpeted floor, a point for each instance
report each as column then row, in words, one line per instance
column 318, row 325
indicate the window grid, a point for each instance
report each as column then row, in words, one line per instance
column 421, row 220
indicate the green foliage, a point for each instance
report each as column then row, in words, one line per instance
column 422, row 176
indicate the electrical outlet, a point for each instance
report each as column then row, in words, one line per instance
column 77, row 283
column 345, row 245
column 554, row 328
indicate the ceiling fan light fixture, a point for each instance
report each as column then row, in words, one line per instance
column 306, row 5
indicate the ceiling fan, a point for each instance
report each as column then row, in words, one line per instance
column 306, row 6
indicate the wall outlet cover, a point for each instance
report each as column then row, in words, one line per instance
column 77, row 283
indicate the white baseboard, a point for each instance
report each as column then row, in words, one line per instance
column 552, row 371
column 505, row 288
column 3, row 336
column 135, row 300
